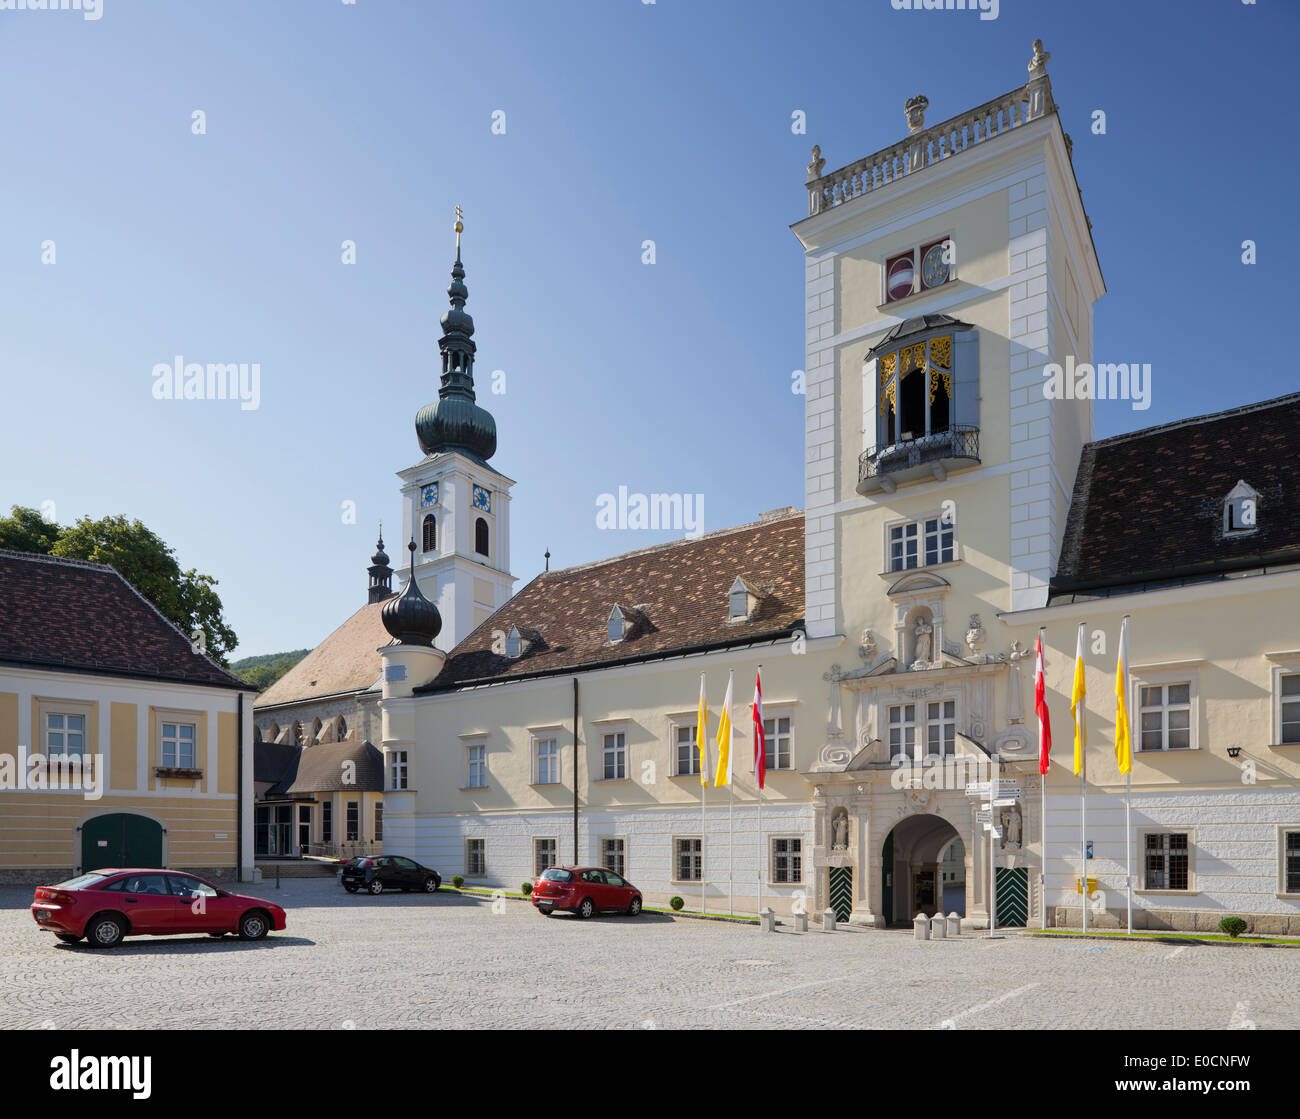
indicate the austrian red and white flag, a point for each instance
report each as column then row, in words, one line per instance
column 760, row 740
column 1044, row 716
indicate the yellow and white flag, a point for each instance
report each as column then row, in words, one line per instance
column 723, row 776
column 701, row 734
column 1079, row 706
column 1123, row 739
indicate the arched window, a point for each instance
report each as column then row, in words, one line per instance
column 340, row 729
column 429, row 533
column 916, row 391
column 481, row 537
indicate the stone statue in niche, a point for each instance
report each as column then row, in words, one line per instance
column 1012, row 825
column 922, row 643
column 867, row 646
column 1015, row 709
column 975, row 636
column 840, row 831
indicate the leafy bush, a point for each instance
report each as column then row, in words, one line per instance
column 676, row 903
column 458, row 880
column 526, row 889
column 1233, row 926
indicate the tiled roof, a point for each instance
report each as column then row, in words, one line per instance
column 1148, row 506
column 321, row 769
column 346, row 661
column 675, row 593
column 276, row 762
column 78, row 616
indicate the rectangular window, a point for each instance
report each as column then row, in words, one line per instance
column 902, row 731
column 326, row 822
column 66, row 735
column 613, row 750
column 1291, row 869
column 397, row 769
column 918, row 543
column 547, row 752
column 903, row 546
column 690, row 860
column 612, row 853
column 1166, row 717
column 776, row 734
column 177, row 744
column 477, row 767
column 687, row 755
column 545, row 855
column 787, row 861
column 379, row 823
column 941, row 729
column 1167, row 861
column 475, row 857
column 353, row 821
column 1289, row 707
column 938, row 541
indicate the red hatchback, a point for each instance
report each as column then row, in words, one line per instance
column 584, row 890
column 106, row 905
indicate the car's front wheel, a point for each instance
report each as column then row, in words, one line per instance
column 431, row 884
column 376, row 887
column 350, row 889
column 253, row 925
column 106, row 931
column 68, row 938
column 634, row 910
column 587, row 908
column 545, row 910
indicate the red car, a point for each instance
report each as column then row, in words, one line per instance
column 584, row 890
column 106, row 905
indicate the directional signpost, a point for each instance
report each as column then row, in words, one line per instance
column 1003, row 792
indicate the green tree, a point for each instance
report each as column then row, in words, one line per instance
column 186, row 599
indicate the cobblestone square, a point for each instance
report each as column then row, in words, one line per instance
column 448, row 961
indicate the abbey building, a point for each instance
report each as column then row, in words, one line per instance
column 953, row 509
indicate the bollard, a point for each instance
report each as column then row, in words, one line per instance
column 921, row 927
column 954, row 925
column 938, row 927
column 801, row 921
column 277, row 876
column 828, row 921
column 769, row 919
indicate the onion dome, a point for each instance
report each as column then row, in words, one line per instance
column 454, row 422
column 381, row 575
column 410, row 617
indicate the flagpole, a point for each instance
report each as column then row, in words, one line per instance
column 731, row 850
column 759, row 868
column 1079, row 709
column 701, row 748
column 1083, row 834
column 1042, row 793
column 1128, row 786
column 704, row 847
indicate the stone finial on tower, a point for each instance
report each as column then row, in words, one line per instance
column 1038, row 64
column 381, row 574
column 816, row 164
column 915, row 108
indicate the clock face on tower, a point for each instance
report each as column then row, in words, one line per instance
column 429, row 495
column 482, row 499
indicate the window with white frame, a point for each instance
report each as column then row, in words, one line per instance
column 921, row 543
column 1288, row 707
column 546, row 754
column 397, row 769
column 613, row 851
column 65, row 734
column 776, row 736
column 545, row 855
column 787, row 860
column 176, row 745
column 686, row 754
column 476, row 755
column 613, row 755
column 688, row 859
column 1166, row 716
column 902, row 730
column 476, row 857
column 1291, row 861
column 352, row 821
column 379, row 823
column 1167, row 861
column 941, row 728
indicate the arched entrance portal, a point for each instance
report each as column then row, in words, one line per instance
column 913, row 859
column 121, row 839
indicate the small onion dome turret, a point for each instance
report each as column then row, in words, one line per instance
column 410, row 617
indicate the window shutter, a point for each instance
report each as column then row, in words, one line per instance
column 870, row 405
column 966, row 377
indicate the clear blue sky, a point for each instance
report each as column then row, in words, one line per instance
column 625, row 121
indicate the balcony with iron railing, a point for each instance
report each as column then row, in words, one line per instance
column 926, row 456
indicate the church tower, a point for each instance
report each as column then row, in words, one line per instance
column 944, row 274
column 455, row 507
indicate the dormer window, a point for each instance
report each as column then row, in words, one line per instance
column 617, row 624
column 742, row 601
column 514, row 643
column 1240, row 510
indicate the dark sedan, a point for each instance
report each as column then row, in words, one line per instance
column 377, row 873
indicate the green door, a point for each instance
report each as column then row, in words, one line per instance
column 1013, row 896
column 841, row 890
column 121, row 839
